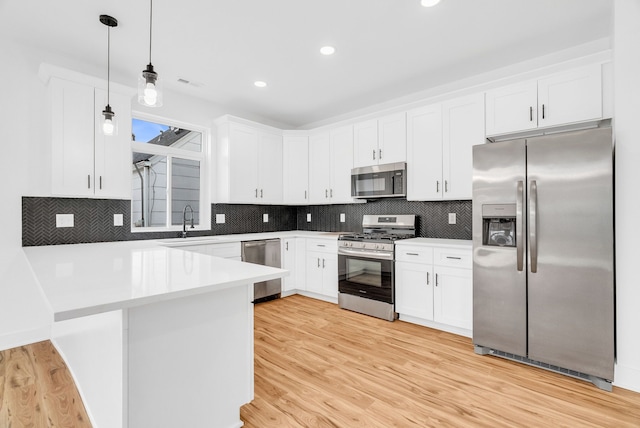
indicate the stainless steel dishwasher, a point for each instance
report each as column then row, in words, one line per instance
column 266, row 253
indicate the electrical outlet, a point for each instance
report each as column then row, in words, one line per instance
column 308, row 217
column 452, row 218
column 343, row 218
column 64, row 220
column 265, row 218
column 118, row 220
column 220, row 218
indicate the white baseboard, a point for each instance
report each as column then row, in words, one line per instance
column 627, row 377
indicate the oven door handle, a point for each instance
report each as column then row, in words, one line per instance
column 365, row 254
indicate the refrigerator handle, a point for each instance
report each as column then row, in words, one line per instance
column 519, row 226
column 533, row 230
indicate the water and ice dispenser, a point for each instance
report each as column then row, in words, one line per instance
column 499, row 225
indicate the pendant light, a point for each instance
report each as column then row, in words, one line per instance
column 108, row 122
column 149, row 90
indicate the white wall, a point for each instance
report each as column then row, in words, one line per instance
column 24, row 315
column 627, row 133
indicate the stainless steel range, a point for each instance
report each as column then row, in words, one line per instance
column 366, row 271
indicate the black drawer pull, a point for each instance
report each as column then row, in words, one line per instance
column 454, row 258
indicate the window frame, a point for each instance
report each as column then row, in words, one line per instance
column 170, row 153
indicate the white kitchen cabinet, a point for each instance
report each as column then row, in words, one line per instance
column 380, row 141
column 322, row 267
column 295, row 155
column 293, row 260
column 560, row 99
column 462, row 128
column 330, row 164
column 434, row 285
column 453, row 297
column 249, row 163
column 85, row 162
column 424, row 153
column 439, row 148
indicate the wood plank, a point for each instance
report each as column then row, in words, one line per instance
column 37, row 390
column 319, row 366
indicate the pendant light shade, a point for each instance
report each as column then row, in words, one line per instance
column 149, row 86
column 108, row 115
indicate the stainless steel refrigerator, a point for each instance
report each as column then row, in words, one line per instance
column 543, row 252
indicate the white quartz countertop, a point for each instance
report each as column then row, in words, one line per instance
column 218, row 239
column 436, row 242
column 86, row 279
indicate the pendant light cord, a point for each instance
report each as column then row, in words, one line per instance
column 108, row 61
column 150, row 28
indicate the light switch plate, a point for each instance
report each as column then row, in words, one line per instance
column 118, row 220
column 343, row 218
column 452, row 218
column 308, row 217
column 64, row 220
column 265, row 218
column 220, row 218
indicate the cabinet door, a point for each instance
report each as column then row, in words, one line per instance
column 73, row 133
column 269, row 168
column 314, row 272
column 289, row 254
column 330, row 275
column 295, row 153
column 392, row 138
column 319, row 168
column 414, row 290
column 462, row 128
column 512, row 108
column 112, row 163
column 243, row 164
column 453, row 297
column 569, row 97
column 301, row 263
column 341, row 164
column 424, row 153
column 365, row 143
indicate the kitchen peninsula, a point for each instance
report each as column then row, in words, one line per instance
column 154, row 336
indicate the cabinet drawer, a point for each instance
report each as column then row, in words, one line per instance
column 453, row 257
column 323, row 245
column 415, row 254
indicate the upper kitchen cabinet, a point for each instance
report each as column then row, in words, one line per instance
column 563, row 98
column 330, row 164
column 380, row 141
column 85, row 162
column 249, row 162
column 295, row 168
column 439, row 141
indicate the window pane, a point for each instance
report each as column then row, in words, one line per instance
column 185, row 190
column 149, row 190
column 167, row 136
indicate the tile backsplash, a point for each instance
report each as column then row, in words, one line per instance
column 94, row 219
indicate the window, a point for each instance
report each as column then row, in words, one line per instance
column 167, row 175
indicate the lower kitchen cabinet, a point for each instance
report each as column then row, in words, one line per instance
column 453, row 297
column 415, row 296
column 293, row 260
column 322, row 268
column 434, row 285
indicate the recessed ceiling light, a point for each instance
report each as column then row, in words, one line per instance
column 327, row 50
column 260, row 84
column 429, row 3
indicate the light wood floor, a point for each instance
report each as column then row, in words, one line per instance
column 37, row 390
column 320, row 366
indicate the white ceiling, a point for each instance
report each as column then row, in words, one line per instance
column 385, row 48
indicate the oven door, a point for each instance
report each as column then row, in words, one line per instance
column 365, row 276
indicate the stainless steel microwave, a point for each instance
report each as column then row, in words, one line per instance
column 379, row 181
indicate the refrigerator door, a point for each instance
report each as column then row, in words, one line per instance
column 570, row 286
column 499, row 262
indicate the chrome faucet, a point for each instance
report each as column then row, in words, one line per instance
column 184, row 220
